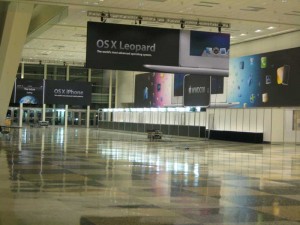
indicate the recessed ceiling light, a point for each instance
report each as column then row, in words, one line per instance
column 257, row 31
column 243, row 34
column 271, row 28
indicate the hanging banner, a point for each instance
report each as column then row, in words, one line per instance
column 124, row 47
column 138, row 48
column 196, row 90
column 28, row 91
column 67, row 92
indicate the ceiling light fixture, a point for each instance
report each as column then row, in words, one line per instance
column 220, row 25
column 102, row 17
column 140, row 20
column 182, row 24
column 257, row 31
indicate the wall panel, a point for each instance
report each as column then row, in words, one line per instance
column 253, row 119
column 227, row 124
column 240, row 119
column 233, row 121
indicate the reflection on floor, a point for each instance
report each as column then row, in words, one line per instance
column 71, row 176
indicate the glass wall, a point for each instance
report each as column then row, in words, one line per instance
column 55, row 114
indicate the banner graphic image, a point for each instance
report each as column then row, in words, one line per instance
column 28, row 91
column 153, row 90
column 265, row 80
column 196, row 90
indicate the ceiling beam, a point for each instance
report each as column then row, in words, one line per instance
column 45, row 17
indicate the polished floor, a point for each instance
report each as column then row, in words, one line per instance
column 57, row 176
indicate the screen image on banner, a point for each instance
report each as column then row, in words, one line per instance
column 29, row 91
column 127, row 47
column 67, row 92
column 153, row 90
column 178, row 84
column 196, row 90
column 204, row 49
column 266, row 80
column 217, row 85
column 143, row 93
column 162, row 89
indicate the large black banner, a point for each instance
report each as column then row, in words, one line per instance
column 67, row 92
column 138, row 48
column 196, row 90
column 124, row 47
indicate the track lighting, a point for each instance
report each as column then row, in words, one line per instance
column 220, row 25
column 140, row 20
column 182, row 24
column 102, row 18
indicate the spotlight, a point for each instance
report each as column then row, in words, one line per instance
column 140, row 20
column 102, row 18
column 220, row 25
column 182, row 24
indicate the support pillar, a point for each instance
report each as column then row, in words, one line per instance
column 110, row 94
column 44, row 105
column 88, row 108
column 14, row 34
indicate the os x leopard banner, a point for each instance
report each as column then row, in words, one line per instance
column 125, row 47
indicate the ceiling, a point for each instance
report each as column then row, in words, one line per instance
column 63, row 38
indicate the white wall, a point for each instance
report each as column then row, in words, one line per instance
column 274, row 43
column 275, row 123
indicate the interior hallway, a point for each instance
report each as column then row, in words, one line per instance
column 85, row 176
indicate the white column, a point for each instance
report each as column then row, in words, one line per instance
column 88, row 108
column 44, row 105
column 110, row 90
column 66, row 115
column 21, row 109
column 116, row 89
column 110, row 94
column 67, row 106
column 21, row 115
